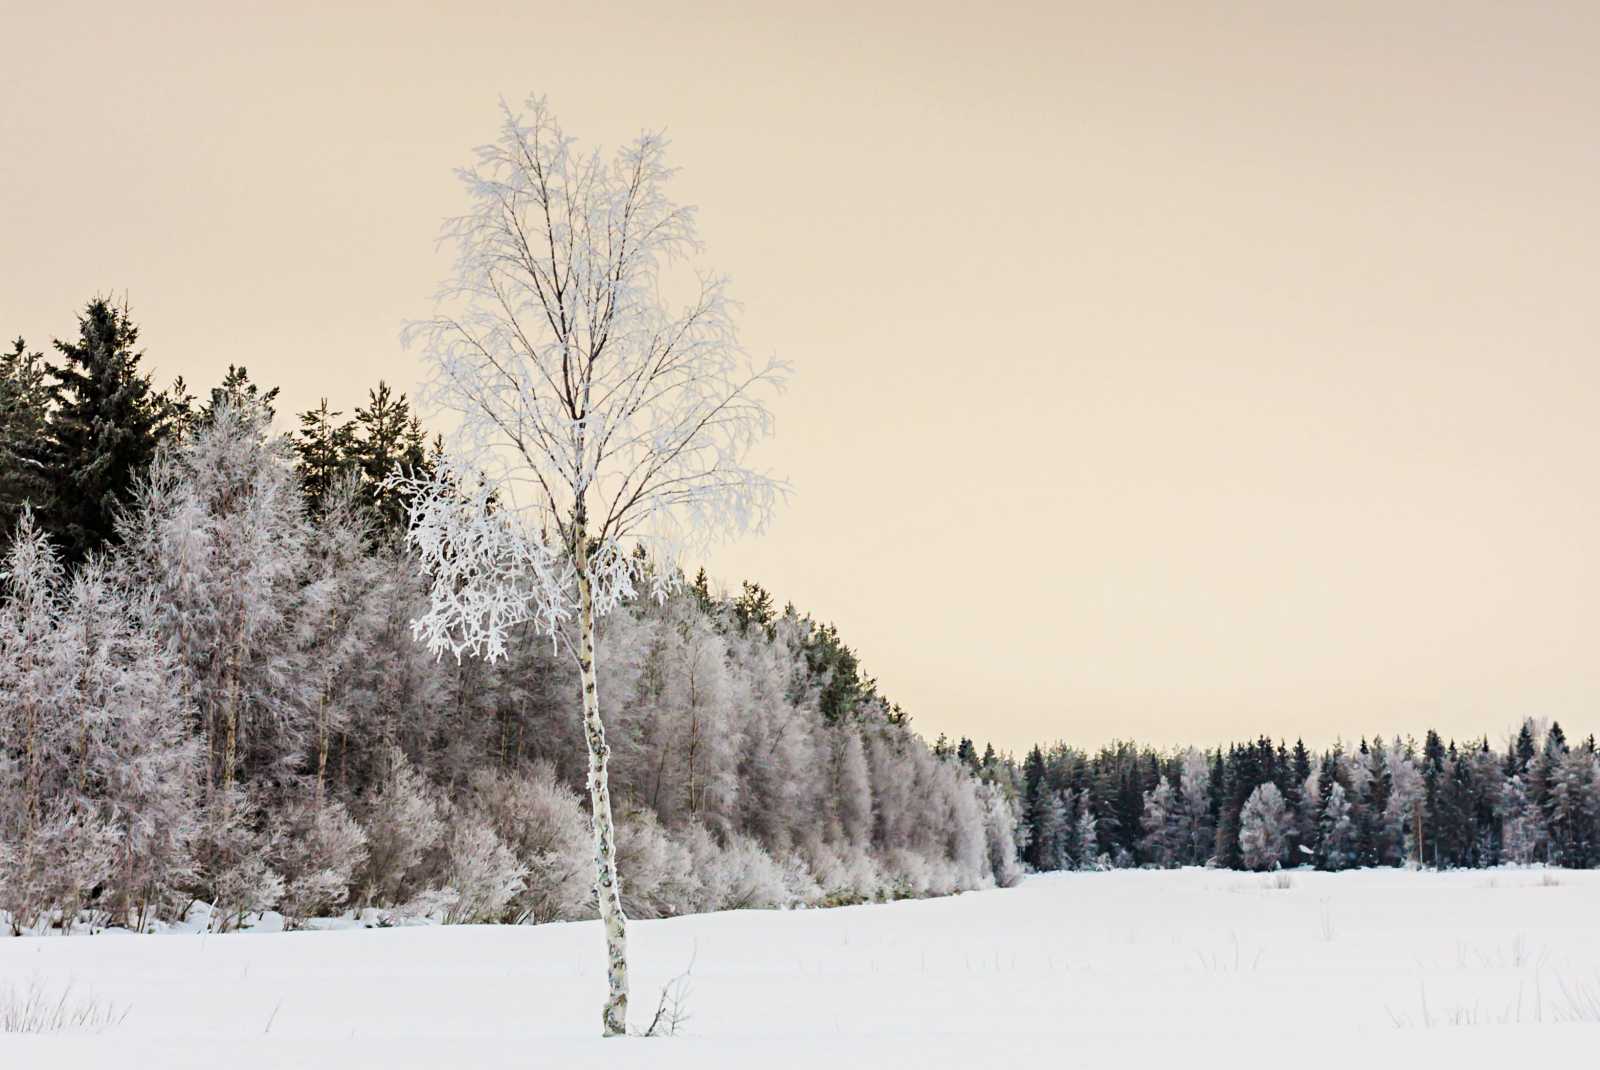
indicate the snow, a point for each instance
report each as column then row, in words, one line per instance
column 1139, row 967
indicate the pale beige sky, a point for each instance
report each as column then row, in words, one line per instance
column 1174, row 371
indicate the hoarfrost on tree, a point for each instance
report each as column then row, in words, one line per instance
column 602, row 432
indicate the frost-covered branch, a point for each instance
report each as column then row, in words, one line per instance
column 590, row 411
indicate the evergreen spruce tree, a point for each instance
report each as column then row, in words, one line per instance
column 754, row 606
column 388, row 437
column 324, row 449
column 238, row 393
column 1542, row 779
column 1035, row 807
column 1235, row 789
column 1524, row 750
column 24, row 407
column 1376, row 849
column 1433, row 768
column 104, row 424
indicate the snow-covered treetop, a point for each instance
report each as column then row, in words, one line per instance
column 590, row 411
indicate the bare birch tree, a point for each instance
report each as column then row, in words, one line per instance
column 603, row 430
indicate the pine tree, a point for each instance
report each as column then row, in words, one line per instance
column 754, row 607
column 1035, row 806
column 105, row 421
column 1233, row 789
column 388, row 438
column 325, row 450
column 1524, row 750
column 24, row 410
column 240, row 394
column 1433, row 771
column 1574, row 809
column 1375, row 847
column 1053, row 832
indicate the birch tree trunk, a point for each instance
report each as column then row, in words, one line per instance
column 607, row 891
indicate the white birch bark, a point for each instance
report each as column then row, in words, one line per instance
column 608, row 892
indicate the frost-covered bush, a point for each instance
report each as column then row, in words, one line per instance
column 733, row 875
column 232, row 852
column 799, row 884
column 318, row 849
column 543, row 822
column 482, row 874
column 845, row 875
column 97, row 766
column 249, row 886
column 402, row 823
column 907, row 874
column 48, row 871
column 656, row 872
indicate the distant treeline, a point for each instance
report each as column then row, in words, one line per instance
column 1263, row 805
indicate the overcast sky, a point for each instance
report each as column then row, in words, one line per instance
column 1172, row 371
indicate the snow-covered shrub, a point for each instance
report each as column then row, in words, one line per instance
column 402, row 823
column 482, row 874
column 249, row 886
column 48, row 871
column 907, row 874
column 734, row 875
column 99, row 746
column 799, row 885
column 231, row 852
column 136, row 764
column 655, row 871
column 544, row 824
column 318, row 847
column 845, row 874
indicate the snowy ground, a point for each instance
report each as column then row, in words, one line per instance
column 1358, row 970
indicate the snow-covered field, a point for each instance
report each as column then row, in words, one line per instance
column 1364, row 969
